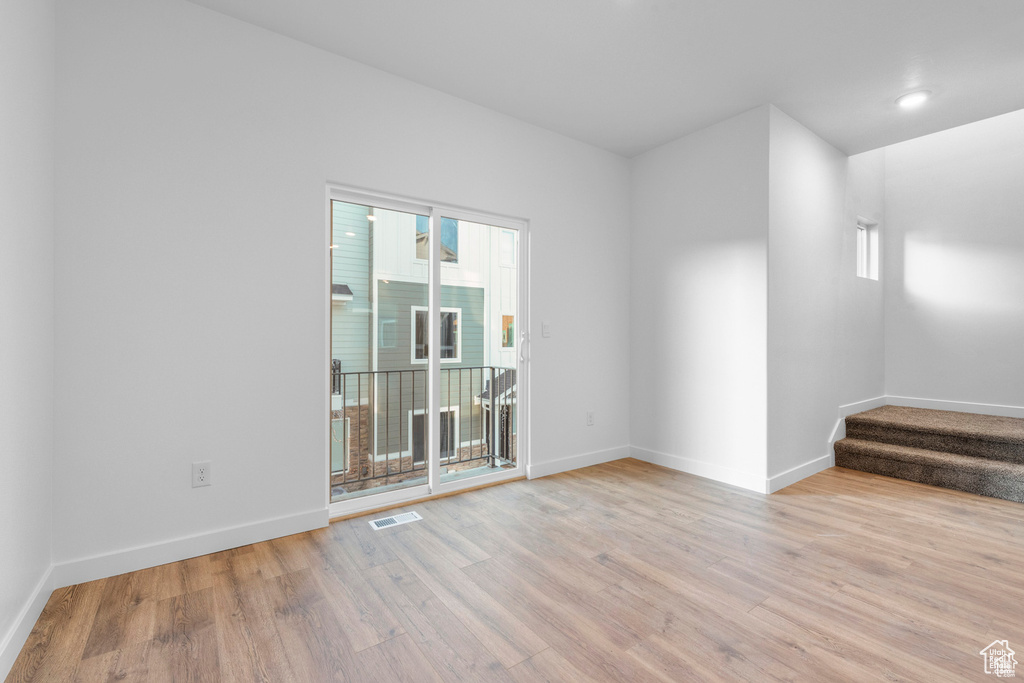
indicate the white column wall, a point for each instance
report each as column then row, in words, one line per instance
column 807, row 185
column 26, row 316
column 699, row 301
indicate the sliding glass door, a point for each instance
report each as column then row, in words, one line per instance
column 406, row 281
column 374, row 386
column 479, row 361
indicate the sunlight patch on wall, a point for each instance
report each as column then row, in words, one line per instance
column 976, row 278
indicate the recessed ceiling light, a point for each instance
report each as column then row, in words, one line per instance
column 371, row 218
column 913, row 99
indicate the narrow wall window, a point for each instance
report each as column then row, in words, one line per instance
column 867, row 249
column 862, row 250
column 451, row 335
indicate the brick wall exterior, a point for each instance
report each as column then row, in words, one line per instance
column 362, row 469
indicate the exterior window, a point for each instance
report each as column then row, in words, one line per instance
column 449, row 239
column 388, row 335
column 449, row 427
column 508, row 332
column 508, row 249
column 451, row 335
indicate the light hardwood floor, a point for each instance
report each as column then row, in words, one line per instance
column 620, row 572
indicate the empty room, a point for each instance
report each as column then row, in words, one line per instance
column 451, row 340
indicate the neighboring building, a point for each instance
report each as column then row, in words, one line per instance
column 379, row 343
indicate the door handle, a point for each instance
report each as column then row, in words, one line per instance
column 524, row 339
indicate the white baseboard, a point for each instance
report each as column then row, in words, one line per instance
column 574, row 462
column 839, row 430
column 14, row 639
column 792, row 476
column 959, row 406
column 861, row 406
column 726, row 475
column 152, row 555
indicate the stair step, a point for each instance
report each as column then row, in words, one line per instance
column 983, row 436
column 996, row 478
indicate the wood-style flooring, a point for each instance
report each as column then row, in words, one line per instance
column 620, row 572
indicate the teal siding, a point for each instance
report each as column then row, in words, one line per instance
column 351, row 265
column 396, row 300
column 394, row 394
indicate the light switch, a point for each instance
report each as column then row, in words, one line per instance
column 545, row 329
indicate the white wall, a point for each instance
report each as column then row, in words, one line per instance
column 860, row 326
column 749, row 325
column 26, row 316
column 698, row 314
column 193, row 153
column 954, row 206
column 807, row 184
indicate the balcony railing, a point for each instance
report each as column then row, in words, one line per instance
column 378, row 424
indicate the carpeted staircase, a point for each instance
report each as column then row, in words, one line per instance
column 981, row 454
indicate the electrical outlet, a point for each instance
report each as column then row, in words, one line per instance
column 590, row 418
column 201, row 474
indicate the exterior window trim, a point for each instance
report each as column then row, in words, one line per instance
column 458, row 336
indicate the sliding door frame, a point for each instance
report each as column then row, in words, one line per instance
column 435, row 212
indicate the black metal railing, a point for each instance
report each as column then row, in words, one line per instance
column 335, row 376
column 385, row 434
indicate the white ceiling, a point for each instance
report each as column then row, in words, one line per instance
column 628, row 75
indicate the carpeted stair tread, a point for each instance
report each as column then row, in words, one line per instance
column 923, row 456
column 982, row 436
column 968, row 425
column 996, row 478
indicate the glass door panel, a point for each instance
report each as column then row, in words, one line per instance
column 479, row 349
column 378, row 356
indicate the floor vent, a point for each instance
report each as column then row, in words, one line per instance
column 395, row 520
